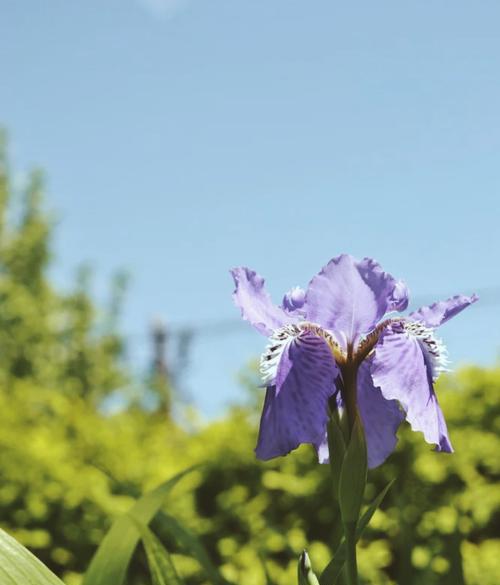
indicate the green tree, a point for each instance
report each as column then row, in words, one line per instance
column 67, row 467
column 51, row 338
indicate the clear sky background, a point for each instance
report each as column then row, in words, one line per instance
column 183, row 138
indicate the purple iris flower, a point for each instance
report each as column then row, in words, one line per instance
column 346, row 324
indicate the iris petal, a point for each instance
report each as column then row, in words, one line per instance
column 255, row 302
column 402, row 372
column 350, row 296
column 296, row 408
column 381, row 418
column 440, row 312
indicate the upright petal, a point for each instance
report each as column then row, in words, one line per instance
column 255, row 303
column 294, row 299
column 350, row 296
column 402, row 371
column 381, row 418
column 440, row 312
column 296, row 408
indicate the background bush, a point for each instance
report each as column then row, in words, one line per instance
column 68, row 466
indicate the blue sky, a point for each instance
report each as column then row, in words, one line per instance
column 181, row 138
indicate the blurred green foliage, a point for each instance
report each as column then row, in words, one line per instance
column 68, row 466
column 51, row 339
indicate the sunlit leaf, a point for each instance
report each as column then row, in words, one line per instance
column 110, row 563
column 190, row 544
column 334, row 568
column 159, row 561
column 19, row 567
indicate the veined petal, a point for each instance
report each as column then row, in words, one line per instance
column 350, row 296
column 255, row 302
column 296, row 407
column 440, row 312
column 381, row 418
column 273, row 368
column 403, row 371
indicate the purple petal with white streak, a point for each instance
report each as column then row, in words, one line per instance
column 400, row 370
column 296, row 409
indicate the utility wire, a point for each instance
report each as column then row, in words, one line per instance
column 172, row 343
column 488, row 297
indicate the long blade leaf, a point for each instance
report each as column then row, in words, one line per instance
column 20, row 567
column 110, row 563
column 162, row 568
column 189, row 543
column 263, row 563
column 352, row 479
column 336, row 448
column 335, row 566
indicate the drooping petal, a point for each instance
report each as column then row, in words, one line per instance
column 296, row 408
column 273, row 368
column 350, row 296
column 381, row 418
column 401, row 369
column 440, row 312
column 433, row 348
column 255, row 302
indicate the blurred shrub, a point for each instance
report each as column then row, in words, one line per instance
column 442, row 507
column 67, row 468
column 53, row 339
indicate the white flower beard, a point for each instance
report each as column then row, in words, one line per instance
column 280, row 340
column 433, row 348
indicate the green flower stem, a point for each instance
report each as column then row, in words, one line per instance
column 351, row 563
column 349, row 392
column 350, row 505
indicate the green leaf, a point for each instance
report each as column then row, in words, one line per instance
column 189, row 543
column 351, row 572
column 160, row 564
column 110, row 562
column 336, row 448
column 19, row 567
column 334, row 568
column 353, row 475
column 305, row 572
column 456, row 573
column 263, row 563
